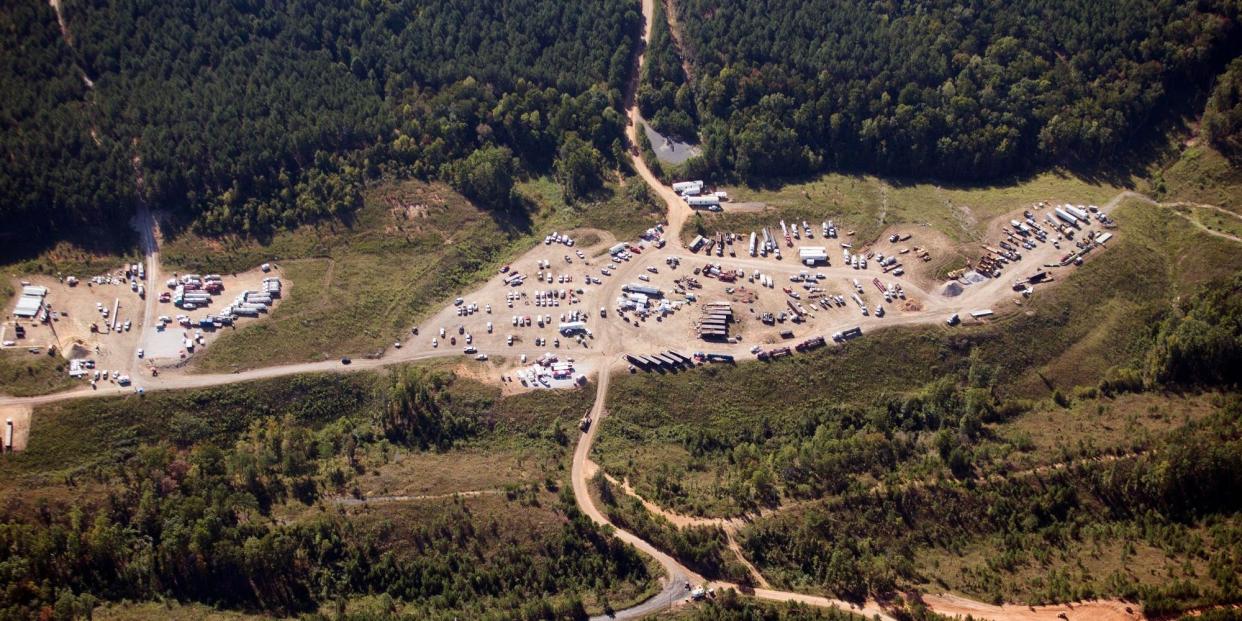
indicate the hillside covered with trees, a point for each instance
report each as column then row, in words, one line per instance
column 249, row 116
column 239, row 498
column 957, row 90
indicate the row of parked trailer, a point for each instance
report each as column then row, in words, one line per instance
column 714, row 323
column 669, row 360
column 252, row 303
column 807, row 345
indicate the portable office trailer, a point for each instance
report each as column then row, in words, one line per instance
column 703, row 202
column 697, row 243
column 643, row 289
column 846, row 335
column 811, row 255
column 1066, row 217
column 809, row 344
column 980, row 314
column 570, row 328
column 682, row 186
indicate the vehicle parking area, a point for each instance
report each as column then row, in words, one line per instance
column 720, row 298
column 542, row 304
column 180, row 331
column 96, row 318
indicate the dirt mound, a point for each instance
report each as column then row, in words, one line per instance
column 77, row 350
column 952, row 289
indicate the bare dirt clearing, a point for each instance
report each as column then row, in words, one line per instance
column 19, row 415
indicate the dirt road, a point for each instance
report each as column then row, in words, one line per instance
column 146, row 225
column 611, row 340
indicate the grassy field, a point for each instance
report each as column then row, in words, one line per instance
column 1122, row 424
column 868, row 204
column 611, row 209
column 23, row 373
column 527, row 445
column 1201, row 175
column 356, row 288
column 1222, row 222
column 1105, row 555
column 169, row 611
column 75, row 438
column 81, row 258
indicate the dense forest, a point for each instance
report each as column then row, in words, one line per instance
column 665, row 98
column 56, row 172
column 225, row 497
column 957, row 90
column 249, row 116
column 1222, row 120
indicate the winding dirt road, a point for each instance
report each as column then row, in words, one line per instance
column 611, row 339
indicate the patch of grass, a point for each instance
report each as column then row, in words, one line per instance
column 528, row 444
column 1201, row 175
column 73, row 437
column 74, row 442
column 79, row 257
column 1049, row 433
column 867, row 204
column 1109, row 558
column 1222, row 222
column 24, row 374
column 652, row 418
column 169, row 610
column 610, row 209
column 355, row 289
column 1106, row 528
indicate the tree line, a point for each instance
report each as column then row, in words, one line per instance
column 251, row 116
column 959, row 91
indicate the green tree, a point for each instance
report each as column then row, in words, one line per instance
column 578, row 167
column 486, row 176
column 1222, row 119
